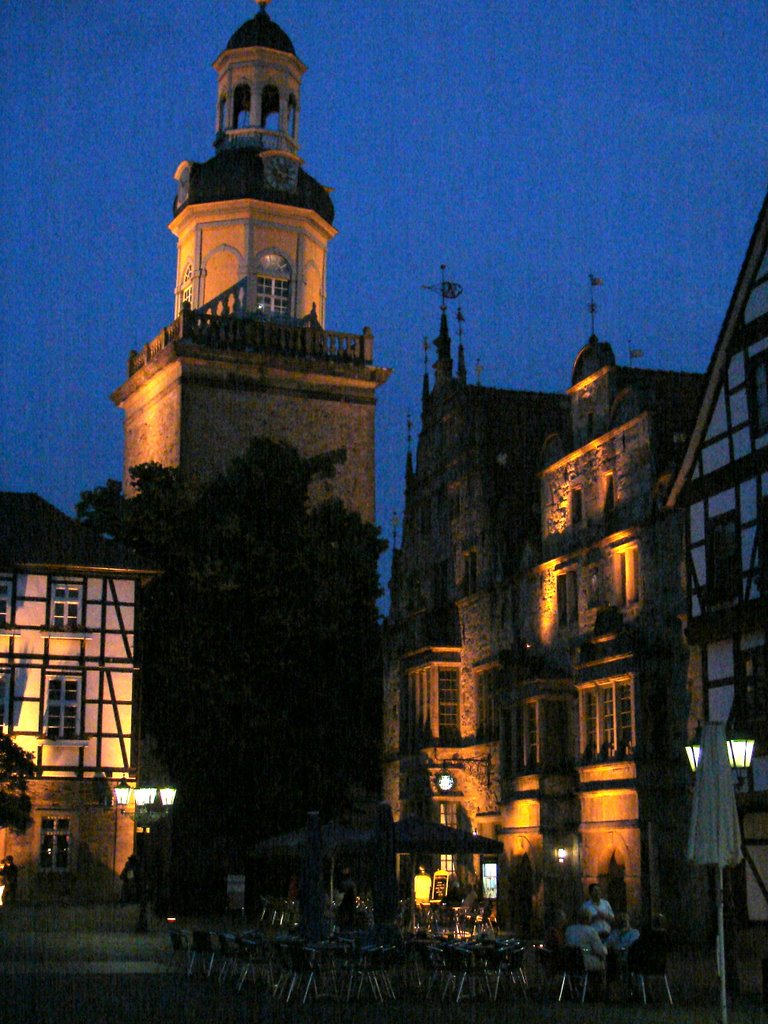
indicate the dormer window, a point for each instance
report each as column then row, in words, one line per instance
column 241, row 110
column 273, row 286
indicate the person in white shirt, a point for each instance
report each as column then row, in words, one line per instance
column 582, row 934
column 600, row 911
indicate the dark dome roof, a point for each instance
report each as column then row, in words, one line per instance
column 260, row 30
column 593, row 357
column 238, row 173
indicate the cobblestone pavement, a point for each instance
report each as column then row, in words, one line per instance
column 87, row 965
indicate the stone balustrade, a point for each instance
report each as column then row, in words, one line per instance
column 268, row 337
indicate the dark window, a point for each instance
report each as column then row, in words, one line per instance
column 567, row 598
column 754, row 685
column 440, row 583
column 723, row 559
column 758, row 393
column 470, row 573
column 609, row 502
column 576, row 510
column 555, row 742
column 241, row 114
column 270, row 108
column 448, row 703
column 487, row 717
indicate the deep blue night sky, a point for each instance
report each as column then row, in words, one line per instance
column 522, row 144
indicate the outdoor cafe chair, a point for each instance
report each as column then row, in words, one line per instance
column 505, row 965
column 645, row 962
column 575, row 975
column 201, row 953
column 465, row 968
column 179, row 946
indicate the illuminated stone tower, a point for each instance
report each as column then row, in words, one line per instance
column 248, row 354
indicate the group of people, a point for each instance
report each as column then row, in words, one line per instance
column 9, row 875
column 604, row 937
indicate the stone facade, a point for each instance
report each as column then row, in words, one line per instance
column 533, row 649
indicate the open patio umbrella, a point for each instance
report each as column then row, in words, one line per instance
column 715, row 834
column 414, row 835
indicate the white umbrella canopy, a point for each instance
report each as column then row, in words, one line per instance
column 715, row 834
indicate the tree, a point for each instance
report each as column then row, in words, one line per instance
column 16, row 766
column 261, row 667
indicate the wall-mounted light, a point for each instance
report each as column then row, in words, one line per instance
column 562, row 854
column 740, row 750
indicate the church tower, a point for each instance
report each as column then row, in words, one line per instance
column 248, row 353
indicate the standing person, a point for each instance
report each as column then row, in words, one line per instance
column 129, row 876
column 10, row 880
column 600, row 911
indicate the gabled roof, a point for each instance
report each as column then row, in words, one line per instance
column 718, row 365
column 35, row 533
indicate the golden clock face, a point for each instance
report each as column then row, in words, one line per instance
column 280, row 172
column 445, row 782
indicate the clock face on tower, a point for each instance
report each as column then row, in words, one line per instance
column 281, row 172
column 445, row 782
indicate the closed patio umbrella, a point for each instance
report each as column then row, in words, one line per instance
column 715, row 834
column 311, row 882
column 385, row 894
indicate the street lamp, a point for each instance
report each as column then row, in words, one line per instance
column 150, row 805
column 740, row 750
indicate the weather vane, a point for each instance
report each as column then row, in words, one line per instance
column 593, row 283
column 446, row 289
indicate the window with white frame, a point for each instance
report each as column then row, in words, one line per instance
column 66, row 604
column 5, row 601
column 273, row 285
column 628, row 576
column 449, row 815
column 62, row 712
column 5, row 696
column 55, row 844
column 187, row 285
column 607, row 720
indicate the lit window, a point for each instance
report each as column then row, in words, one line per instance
column 567, row 598
column 54, row 844
column 607, row 728
column 5, row 602
column 5, row 694
column 723, row 559
column 758, row 393
column 449, row 815
column 629, row 591
column 448, row 702
column 273, row 286
column 62, row 715
column 66, row 604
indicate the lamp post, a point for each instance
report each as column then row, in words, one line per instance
column 151, row 805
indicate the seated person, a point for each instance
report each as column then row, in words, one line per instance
column 623, row 935
column 583, row 935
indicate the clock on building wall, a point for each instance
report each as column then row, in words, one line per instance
column 445, row 782
column 280, row 172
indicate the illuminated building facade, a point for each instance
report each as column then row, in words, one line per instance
column 68, row 614
column 534, row 653
column 723, row 486
column 247, row 354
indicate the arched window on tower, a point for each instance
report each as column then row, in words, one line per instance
column 270, row 108
column 241, row 112
column 223, row 113
column 187, row 286
column 292, row 116
column 273, row 286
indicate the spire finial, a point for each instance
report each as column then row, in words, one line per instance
column 593, row 283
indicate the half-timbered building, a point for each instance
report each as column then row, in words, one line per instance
column 723, row 484
column 68, row 663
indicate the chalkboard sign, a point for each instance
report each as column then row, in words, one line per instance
column 439, row 885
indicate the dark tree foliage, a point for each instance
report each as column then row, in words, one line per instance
column 16, row 766
column 261, row 641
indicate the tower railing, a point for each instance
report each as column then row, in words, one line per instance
column 257, row 336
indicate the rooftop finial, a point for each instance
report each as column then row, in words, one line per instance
column 593, row 283
column 263, row 3
column 446, row 289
